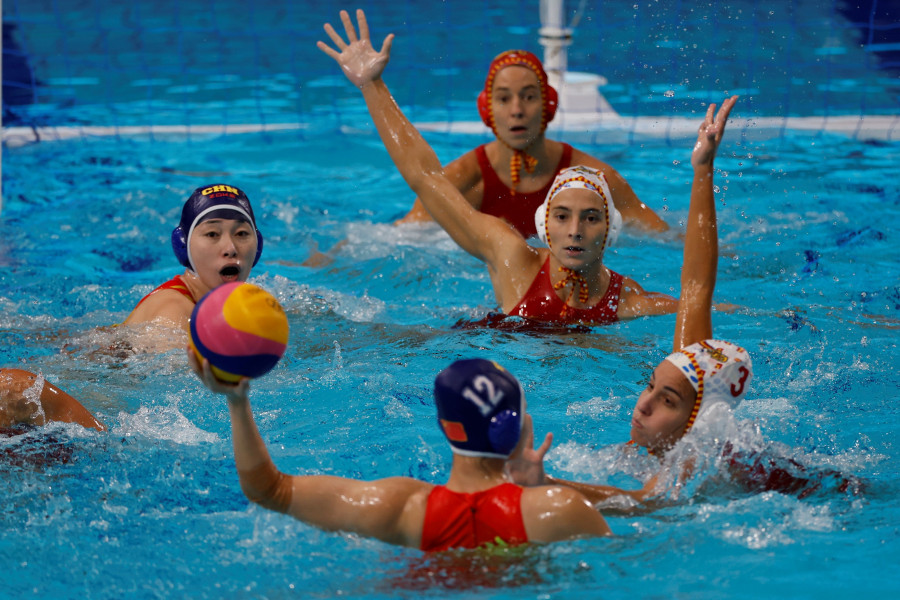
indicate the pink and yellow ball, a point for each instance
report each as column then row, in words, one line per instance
column 241, row 329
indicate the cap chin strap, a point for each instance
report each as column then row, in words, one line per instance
column 518, row 161
column 577, row 280
column 197, row 221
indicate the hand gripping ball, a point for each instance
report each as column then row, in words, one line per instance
column 240, row 329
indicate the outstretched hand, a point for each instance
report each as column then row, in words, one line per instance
column 710, row 133
column 526, row 466
column 357, row 58
column 233, row 391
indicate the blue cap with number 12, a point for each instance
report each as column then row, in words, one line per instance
column 480, row 408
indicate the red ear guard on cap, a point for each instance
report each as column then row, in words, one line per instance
column 549, row 96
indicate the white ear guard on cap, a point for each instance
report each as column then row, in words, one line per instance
column 584, row 178
column 183, row 239
column 718, row 371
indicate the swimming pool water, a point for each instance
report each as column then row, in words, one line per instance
column 152, row 509
column 213, row 62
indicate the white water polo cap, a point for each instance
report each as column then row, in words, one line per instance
column 584, row 178
column 718, row 371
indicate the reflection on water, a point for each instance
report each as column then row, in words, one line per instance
column 805, row 465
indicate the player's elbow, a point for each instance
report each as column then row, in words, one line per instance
column 430, row 187
column 268, row 487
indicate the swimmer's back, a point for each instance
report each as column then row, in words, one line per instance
column 469, row 520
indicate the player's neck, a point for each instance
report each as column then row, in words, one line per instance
column 474, row 474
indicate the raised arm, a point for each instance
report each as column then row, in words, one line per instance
column 389, row 509
column 475, row 232
column 701, row 244
column 465, row 174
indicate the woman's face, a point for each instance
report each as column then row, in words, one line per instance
column 663, row 409
column 517, row 106
column 577, row 227
column 222, row 250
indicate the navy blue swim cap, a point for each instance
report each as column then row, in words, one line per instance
column 480, row 408
column 217, row 201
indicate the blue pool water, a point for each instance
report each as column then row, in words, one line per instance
column 209, row 62
column 152, row 509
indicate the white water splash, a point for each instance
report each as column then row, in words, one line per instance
column 164, row 423
column 32, row 395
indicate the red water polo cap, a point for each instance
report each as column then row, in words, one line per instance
column 522, row 58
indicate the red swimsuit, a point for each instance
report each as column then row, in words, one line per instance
column 516, row 208
column 176, row 283
column 541, row 303
column 457, row 520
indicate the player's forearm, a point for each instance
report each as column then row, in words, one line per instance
column 593, row 492
column 412, row 155
column 261, row 481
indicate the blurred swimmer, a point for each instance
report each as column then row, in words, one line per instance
column 511, row 176
column 27, row 399
column 481, row 411
column 217, row 240
column 564, row 283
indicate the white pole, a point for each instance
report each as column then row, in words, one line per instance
column 554, row 37
column 578, row 92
